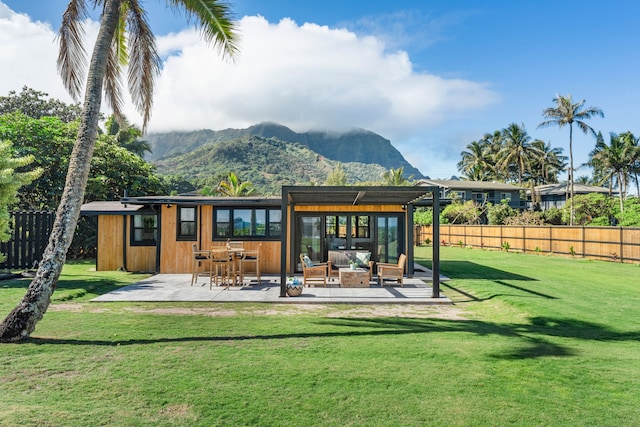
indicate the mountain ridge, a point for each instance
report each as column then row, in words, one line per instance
column 354, row 146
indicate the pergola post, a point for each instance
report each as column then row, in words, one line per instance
column 435, row 257
column 283, row 241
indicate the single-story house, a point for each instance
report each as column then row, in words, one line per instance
column 156, row 233
column 478, row 191
column 555, row 195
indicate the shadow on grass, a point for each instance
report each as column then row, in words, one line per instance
column 473, row 298
column 471, row 270
column 535, row 335
column 70, row 288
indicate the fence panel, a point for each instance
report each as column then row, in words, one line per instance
column 607, row 243
column 28, row 240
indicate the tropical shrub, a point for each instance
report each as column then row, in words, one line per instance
column 590, row 209
column 461, row 213
column 498, row 214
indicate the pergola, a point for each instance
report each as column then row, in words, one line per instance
column 407, row 196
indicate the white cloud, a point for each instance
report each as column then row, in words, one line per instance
column 302, row 76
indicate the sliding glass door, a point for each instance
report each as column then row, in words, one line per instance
column 380, row 234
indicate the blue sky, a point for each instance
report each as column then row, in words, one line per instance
column 431, row 76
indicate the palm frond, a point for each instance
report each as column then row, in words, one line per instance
column 214, row 20
column 72, row 57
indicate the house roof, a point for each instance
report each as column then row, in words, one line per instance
column 202, row 200
column 301, row 195
column 561, row 189
column 110, row 208
column 355, row 195
column 454, row 184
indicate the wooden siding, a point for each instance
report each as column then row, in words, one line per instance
column 110, row 249
column 606, row 243
column 176, row 256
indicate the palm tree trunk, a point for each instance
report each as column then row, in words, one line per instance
column 21, row 322
column 572, row 209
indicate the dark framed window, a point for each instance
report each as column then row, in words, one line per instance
column 247, row 222
column 144, row 230
column 187, row 223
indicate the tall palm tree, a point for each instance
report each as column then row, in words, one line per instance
column 517, row 151
column 124, row 38
column 632, row 145
column 493, row 143
column 616, row 160
column 566, row 112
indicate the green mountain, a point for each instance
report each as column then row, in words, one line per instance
column 270, row 155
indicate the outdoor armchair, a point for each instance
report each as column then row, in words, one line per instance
column 394, row 272
column 313, row 273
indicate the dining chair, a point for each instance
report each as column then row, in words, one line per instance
column 199, row 259
column 248, row 258
column 220, row 266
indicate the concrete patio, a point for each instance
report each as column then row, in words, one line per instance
column 177, row 287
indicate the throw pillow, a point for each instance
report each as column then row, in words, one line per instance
column 362, row 258
column 307, row 261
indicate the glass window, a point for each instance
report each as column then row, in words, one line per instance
column 250, row 222
column 187, row 221
column 360, row 226
column 275, row 222
column 242, row 222
column 144, row 230
column 222, row 223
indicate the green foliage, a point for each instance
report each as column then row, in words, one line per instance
column 50, row 141
column 525, row 218
column 35, row 104
column 337, row 176
column 590, row 209
column 423, row 216
column 553, row 216
column 233, row 187
column 460, row 213
column 631, row 216
column 395, row 177
column 115, row 169
column 498, row 214
column 12, row 177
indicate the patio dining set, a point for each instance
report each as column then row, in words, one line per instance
column 225, row 265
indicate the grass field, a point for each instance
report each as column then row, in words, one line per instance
column 531, row 341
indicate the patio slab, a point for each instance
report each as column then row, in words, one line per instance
column 177, row 287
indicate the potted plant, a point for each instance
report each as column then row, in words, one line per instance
column 294, row 287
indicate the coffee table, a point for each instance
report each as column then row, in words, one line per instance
column 358, row 278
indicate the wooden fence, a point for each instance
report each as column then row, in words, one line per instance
column 28, row 240
column 607, row 243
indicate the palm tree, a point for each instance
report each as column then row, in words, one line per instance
column 475, row 163
column 232, row 187
column 548, row 163
column 517, row 151
column 123, row 25
column 566, row 112
column 615, row 161
column 127, row 136
column 394, row 177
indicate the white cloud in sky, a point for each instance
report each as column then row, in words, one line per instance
column 302, row 76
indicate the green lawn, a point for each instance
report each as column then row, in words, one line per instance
column 532, row 340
